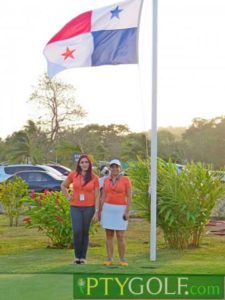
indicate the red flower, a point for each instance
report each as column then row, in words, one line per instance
column 33, row 194
column 46, row 192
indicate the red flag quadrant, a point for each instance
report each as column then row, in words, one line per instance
column 105, row 36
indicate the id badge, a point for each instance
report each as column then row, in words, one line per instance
column 82, row 197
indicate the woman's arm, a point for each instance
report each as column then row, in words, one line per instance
column 97, row 202
column 102, row 199
column 65, row 189
column 129, row 198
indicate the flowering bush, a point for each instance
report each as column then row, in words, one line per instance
column 50, row 212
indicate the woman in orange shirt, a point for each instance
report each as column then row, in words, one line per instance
column 116, row 200
column 84, row 204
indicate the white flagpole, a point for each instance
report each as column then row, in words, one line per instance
column 153, row 183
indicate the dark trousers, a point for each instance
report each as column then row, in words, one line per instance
column 81, row 220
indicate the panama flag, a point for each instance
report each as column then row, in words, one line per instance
column 105, row 36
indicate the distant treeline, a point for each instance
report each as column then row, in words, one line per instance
column 203, row 141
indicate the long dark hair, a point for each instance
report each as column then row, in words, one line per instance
column 88, row 176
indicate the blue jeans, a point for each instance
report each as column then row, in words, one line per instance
column 81, row 220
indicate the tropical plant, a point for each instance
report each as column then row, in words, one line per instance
column 139, row 171
column 28, row 145
column 184, row 200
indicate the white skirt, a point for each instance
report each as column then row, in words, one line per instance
column 112, row 217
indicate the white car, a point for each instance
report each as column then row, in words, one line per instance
column 8, row 170
column 179, row 168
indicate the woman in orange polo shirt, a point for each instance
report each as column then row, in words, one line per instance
column 84, row 204
column 116, row 200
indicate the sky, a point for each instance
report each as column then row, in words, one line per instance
column 191, row 64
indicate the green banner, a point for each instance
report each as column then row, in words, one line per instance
column 138, row 286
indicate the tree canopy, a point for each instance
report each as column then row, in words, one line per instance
column 57, row 105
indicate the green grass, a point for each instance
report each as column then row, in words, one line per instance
column 24, row 251
column 36, row 287
column 29, row 266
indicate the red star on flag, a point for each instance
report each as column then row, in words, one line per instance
column 68, row 53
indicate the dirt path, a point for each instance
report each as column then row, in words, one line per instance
column 216, row 227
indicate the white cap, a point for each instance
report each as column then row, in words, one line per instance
column 115, row 162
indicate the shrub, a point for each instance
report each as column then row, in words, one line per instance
column 139, row 174
column 184, row 200
column 50, row 212
column 12, row 196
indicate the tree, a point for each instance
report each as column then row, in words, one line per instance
column 58, row 108
column 135, row 145
column 103, row 142
column 3, row 154
column 27, row 145
column 205, row 141
column 170, row 146
column 19, row 147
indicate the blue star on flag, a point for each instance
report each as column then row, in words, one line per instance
column 115, row 13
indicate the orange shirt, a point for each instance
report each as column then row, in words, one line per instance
column 117, row 193
column 83, row 195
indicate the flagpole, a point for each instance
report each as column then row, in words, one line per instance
column 153, row 183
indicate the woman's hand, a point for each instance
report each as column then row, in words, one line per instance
column 70, row 197
column 96, row 216
column 126, row 215
column 99, row 215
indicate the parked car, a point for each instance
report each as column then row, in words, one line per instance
column 39, row 181
column 62, row 169
column 8, row 170
column 179, row 168
column 51, row 170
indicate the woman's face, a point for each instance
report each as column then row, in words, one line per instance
column 115, row 170
column 84, row 164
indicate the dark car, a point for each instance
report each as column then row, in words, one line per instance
column 60, row 168
column 39, row 181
